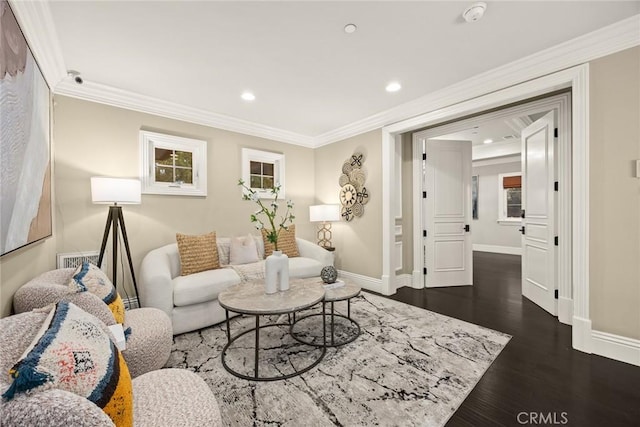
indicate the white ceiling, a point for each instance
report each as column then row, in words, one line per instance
column 309, row 76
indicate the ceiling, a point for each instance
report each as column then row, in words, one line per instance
column 309, row 77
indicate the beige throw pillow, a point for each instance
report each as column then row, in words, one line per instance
column 197, row 253
column 286, row 242
column 243, row 250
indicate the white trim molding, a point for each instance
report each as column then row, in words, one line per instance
column 581, row 333
column 403, row 280
column 366, row 282
column 37, row 24
column 107, row 95
column 605, row 41
column 565, row 309
column 616, row 347
column 508, row 250
column 497, row 161
column 577, row 280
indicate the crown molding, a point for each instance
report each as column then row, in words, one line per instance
column 36, row 22
column 37, row 26
column 108, row 95
column 605, row 41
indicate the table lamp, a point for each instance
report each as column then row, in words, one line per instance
column 116, row 192
column 324, row 214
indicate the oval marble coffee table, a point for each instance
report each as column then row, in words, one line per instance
column 332, row 295
column 249, row 298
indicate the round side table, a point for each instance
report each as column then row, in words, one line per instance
column 331, row 296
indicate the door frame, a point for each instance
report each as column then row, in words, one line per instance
column 561, row 105
column 575, row 308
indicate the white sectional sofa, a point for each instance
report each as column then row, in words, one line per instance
column 192, row 301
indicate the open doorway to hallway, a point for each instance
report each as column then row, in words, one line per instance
column 508, row 203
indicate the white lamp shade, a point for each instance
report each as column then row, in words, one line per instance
column 123, row 191
column 324, row 213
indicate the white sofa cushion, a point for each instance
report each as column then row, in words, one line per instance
column 304, row 267
column 203, row 286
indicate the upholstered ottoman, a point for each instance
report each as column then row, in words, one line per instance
column 150, row 340
column 151, row 335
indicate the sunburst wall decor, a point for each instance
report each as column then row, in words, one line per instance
column 353, row 193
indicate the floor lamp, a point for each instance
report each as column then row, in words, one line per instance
column 325, row 214
column 116, row 192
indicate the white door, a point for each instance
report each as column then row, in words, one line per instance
column 447, row 208
column 538, row 203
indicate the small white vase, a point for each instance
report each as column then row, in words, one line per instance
column 276, row 274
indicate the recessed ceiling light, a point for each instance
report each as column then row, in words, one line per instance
column 248, row 96
column 350, row 28
column 393, row 87
column 474, row 12
column 488, row 141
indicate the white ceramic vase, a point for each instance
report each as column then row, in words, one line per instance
column 276, row 273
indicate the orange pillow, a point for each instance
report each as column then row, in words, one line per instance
column 286, row 242
column 197, row 253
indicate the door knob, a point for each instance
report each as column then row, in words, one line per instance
column 522, row 229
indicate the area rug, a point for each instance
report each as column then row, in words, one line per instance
column 409, row 366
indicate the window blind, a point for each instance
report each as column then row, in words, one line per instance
column 512, row 182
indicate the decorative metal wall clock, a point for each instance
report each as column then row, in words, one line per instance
column 353, row 193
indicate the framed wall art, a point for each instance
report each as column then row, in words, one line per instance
column 474, row 196
column 25, row 137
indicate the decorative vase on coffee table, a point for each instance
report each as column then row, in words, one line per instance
column 276, row 274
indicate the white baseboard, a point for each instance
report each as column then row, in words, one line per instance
column 417, row 281
column 403, row 280
column 616, row 347
column 581, row 334
column 509, row 250
column 365, row 282
column 565, row 310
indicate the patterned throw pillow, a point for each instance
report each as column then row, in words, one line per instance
column 88, row 277
column 286, row 242
column 73, row 352
column 197, row 253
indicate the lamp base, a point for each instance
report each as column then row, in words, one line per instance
column 324, row 235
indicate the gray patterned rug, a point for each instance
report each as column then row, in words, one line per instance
column 408, row 367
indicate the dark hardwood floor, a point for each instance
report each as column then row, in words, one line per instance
column 538, row 371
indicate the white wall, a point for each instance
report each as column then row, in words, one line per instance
column 485, row 230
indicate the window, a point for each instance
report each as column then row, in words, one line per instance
column 262, row 175
column 510, row 198
column 173, row 165
column 262, row 170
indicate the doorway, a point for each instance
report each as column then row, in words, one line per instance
column 522, row 142
column 573, row 302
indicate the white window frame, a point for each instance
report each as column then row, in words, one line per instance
column 149, row 141
column 249, row 155
column 502, row 201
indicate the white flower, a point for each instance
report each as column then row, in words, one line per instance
column 259, row 226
